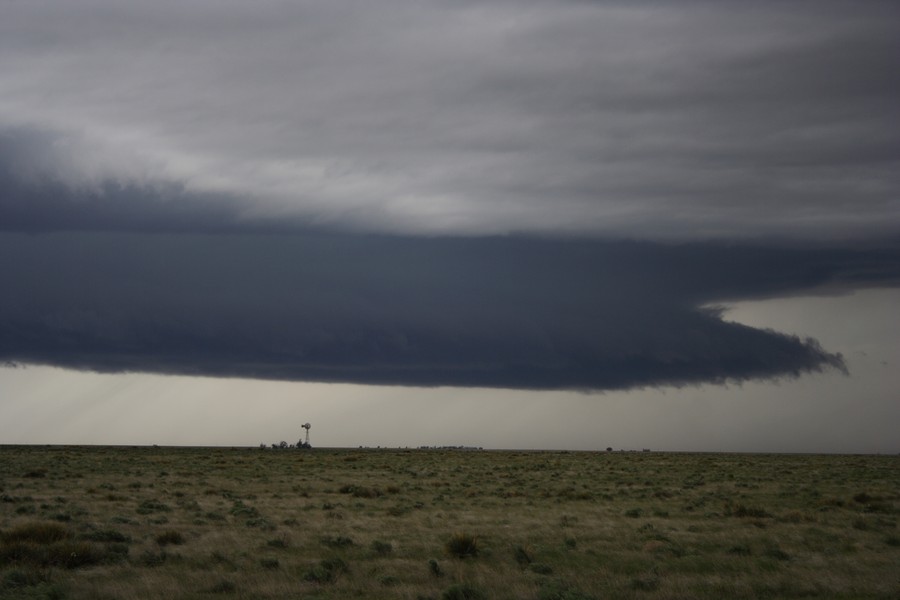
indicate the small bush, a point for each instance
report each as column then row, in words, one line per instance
column 239, row 509
column 152, row 506
column 326, row 571
column 337, row 542
column 863, row 498
column 777, row 553
column 223, row 587
column 522, row 557
column 435, row 568
column 269, row 563
column 106, row 535
column 462, row 545
column 260, row 523
column 36, row 533
column 560, row 590
column 389, row 580
column 647, row 583
column 153, row 559
column 463, row 591
column 742, row 511
column 72, row 555
column 17, row 578
column 170, row 537
column 360, row 492
column 382, row 548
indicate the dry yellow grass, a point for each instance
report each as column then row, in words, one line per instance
column 550, row 525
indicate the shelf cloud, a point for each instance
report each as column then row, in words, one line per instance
column 499, row 312
column 521, row 195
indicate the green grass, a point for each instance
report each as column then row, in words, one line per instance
column 142, row 522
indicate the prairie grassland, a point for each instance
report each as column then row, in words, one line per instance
column 147, row 522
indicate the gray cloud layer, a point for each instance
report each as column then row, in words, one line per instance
column 515, row 312
column 651, row 120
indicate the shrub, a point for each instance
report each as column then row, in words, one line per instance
column 863, row 498
column 435, row 568
column 36, row 533
column 151, row 506
column 647, row 583
column 337, row 542
column 382, row 548
column 777, row 553
column 106, row 535
column 223, row 587
column 358, row 491
column 72, row 555
column 560, row 590
column 326, row 571
column 239, row 509
column 522, row 557
column 269, row 563
column 19, row 579
column 153, row 559
column 463, row 591
column 745, row 511
column 279, row 542
column 170, row 537
column 260, row 523
column 462, row 545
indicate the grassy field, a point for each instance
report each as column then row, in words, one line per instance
column 147, row 522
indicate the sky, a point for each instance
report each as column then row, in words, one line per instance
column 568, row 225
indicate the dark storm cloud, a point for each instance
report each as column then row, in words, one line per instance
column 173, row 178
column 502, row 312
column 652, row 120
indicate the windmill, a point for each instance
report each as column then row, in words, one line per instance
column 305, row 443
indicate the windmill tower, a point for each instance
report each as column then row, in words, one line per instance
column 305, row 443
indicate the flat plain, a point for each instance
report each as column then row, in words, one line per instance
column 154, row 522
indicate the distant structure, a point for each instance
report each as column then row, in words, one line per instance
column 304, row 443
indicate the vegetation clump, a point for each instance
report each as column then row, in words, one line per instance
column 382, row 548
column 327, row 571
column 170, row 536
column 463, row 591
column 462, row 545
column 337, row 541
column 152, row 506
column 434, row 567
